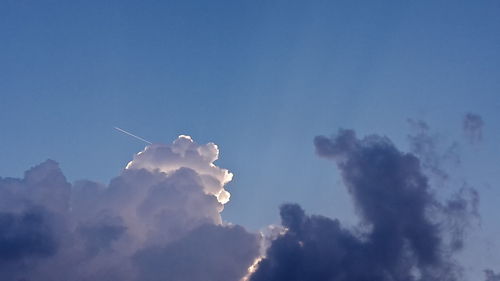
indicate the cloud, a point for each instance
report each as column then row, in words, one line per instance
column 209, row 253
column 435, row 157
column 400, row 236
column 472, row 125
column 184, row 152
column 159, row 219
column 491, row 275
column 427, row 147
column 25, row 235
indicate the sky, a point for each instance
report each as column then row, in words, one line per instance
column 261, row 79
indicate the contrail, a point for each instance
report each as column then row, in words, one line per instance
column 132, row 135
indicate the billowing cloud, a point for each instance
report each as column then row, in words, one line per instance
column 158, row 220
column 472, row 125
column 184, row 152
column 401, row 236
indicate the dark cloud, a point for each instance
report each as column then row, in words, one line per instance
column 472, row 125
column 208, row 253
column 26, row 235
column 491, row 275
column 316, row 248
column 99, row 235
column 32, row 219
column 403, row 239
column 29, row 220
column 389, row 190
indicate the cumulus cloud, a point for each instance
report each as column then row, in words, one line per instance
column 209, row 253
column 401, row 235
column 25, row 235
column 184, row 152
column 472, row 125
column 160, row 219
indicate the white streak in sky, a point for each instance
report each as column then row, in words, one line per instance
column 132, row 135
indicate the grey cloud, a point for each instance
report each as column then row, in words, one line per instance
column 491, row 275
column 428, row 147
column 26, row 235
column 403, row 237
column 472, row 125
column 318, row 248
column 208, row 253
column 460, row 212
column 99, row 235
column 436, row 157
column 389, row 191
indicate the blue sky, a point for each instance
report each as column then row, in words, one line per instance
column 258, row 78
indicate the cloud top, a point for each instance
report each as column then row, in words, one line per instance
column 185, row 153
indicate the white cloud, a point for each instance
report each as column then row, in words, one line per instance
column 167, row 197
